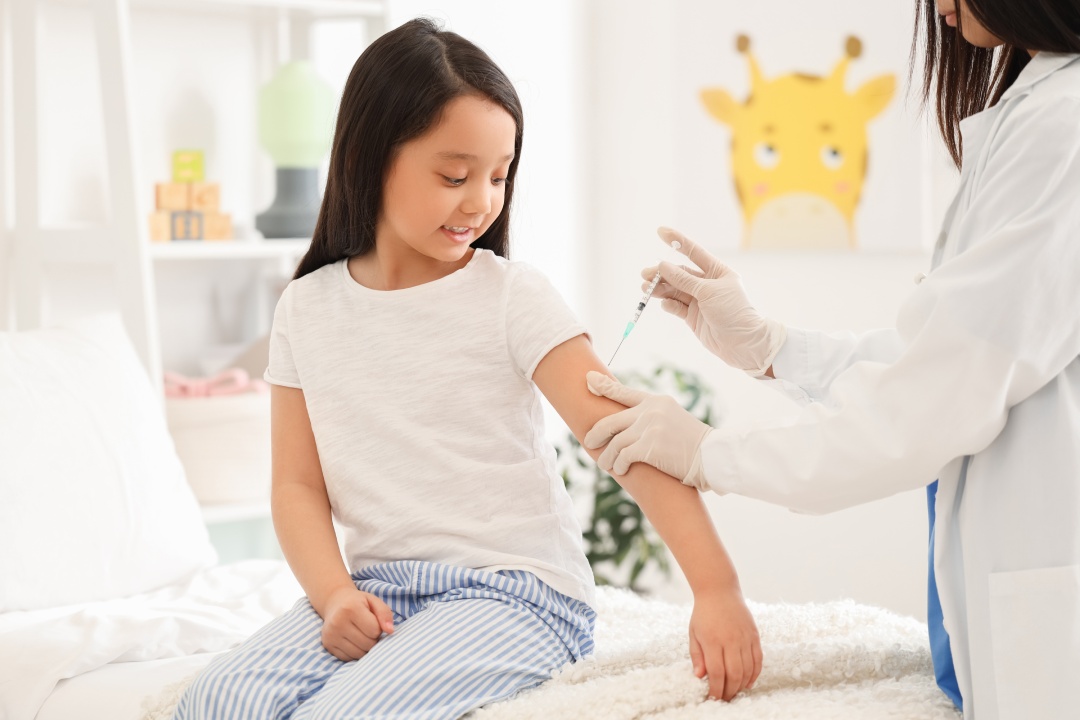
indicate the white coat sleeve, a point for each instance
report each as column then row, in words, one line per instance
column 811, row 360
column 984, row 331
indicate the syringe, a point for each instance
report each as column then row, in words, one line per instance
column 675, row 244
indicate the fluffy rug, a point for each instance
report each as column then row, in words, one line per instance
column 830, row 661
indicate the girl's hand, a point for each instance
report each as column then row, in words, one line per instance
column 353, row 621
column 724, row 643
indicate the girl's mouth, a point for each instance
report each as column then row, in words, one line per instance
column 459, row 234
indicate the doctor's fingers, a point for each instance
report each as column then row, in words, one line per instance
column 608, row 427
column 615, row 455
column 680, row 279
column 665, row 289
column 675, row 307
column 693, row 252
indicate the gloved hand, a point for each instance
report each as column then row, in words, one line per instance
column 655, row 430
column 715, row 306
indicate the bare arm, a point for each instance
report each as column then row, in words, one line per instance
column 353, row 621
column 675, row 510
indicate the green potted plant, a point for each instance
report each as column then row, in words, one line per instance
column 619, row 542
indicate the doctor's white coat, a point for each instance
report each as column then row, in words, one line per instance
column 978, row 386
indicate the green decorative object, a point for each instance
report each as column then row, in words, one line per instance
column 619, row 541
column 187, row 166
column 296, row 124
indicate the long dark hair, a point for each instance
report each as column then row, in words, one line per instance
column 963, row 79
column 396, row 92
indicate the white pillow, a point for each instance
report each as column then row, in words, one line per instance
column 93, row 500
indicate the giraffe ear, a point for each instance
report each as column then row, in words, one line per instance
column 720, row 105
column 875, row 94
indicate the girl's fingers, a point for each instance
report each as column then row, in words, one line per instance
column 697, row 658
column 758, row 662
column 747, row 667
column 715, row 667
column 382, row 613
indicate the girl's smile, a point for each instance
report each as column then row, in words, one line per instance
column 463, row 235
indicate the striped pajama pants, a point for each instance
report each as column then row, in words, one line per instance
column 462, row 639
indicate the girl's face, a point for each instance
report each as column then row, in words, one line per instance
column 972, row 29
column 445, row 188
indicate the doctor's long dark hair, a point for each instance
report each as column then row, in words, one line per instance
column 396, row 92
column 962, row 79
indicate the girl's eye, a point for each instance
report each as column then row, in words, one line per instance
column 498, row 181
column 454, row 181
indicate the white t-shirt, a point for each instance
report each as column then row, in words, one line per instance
column 429, row 429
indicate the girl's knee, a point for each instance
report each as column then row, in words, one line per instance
column 212, row 695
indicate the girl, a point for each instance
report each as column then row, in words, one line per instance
column 405, row 358
column 978, row 386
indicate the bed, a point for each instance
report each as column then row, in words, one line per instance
column 111, row 599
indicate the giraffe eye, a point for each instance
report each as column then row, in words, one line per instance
column 766, row 155
column 831, row 157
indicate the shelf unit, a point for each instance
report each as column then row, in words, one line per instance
column 121, row 244
column 119, row 248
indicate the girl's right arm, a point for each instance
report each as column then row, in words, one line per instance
column 353, row 621
column 724, row 640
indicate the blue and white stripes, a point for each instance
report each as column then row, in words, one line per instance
column 463, row 638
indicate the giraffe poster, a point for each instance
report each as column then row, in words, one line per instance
column 799, row 151
column 795, row 131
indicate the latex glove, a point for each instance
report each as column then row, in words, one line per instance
column 655, row 430
column 714, row 304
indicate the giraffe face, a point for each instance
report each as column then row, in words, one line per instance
column 795, row 139
column 799, row 153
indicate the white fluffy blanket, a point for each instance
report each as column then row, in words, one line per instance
column 829, row 661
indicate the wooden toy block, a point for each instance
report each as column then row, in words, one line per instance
column 187, row 225
column 205, row 197
column 217, row 226
column 159, row 226
column 187, row 166
column 172, row 196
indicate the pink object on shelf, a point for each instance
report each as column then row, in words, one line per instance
column 228, row 382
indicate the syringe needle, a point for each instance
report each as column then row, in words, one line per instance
column 626, row 332
column 641, row 307
column 616, row 350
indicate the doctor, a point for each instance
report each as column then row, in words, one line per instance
column 978, row 385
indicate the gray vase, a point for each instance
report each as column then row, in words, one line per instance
column 296, row 205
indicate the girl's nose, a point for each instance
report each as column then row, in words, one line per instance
column 478, row 200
